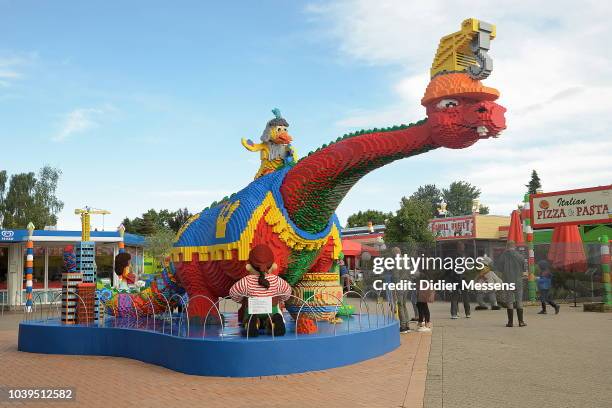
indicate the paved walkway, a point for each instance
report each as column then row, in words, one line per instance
column 396, row 379
column 556, row 361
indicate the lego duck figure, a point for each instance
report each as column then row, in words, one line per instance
column 275, row 149
column 122, row 269
column 261, row 282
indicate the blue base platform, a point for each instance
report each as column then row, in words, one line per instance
column 227, row 356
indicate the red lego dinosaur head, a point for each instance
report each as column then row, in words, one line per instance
column 461, row 110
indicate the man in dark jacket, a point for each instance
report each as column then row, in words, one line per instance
column 454, row 277
column 511, row 265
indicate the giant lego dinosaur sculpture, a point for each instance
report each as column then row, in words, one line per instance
column 292, row 208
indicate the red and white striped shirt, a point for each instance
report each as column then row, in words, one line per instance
column 249, row 287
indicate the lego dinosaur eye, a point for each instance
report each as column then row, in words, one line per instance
column 447, row 103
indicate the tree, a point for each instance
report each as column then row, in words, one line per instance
column 410, row 224
column 19, row 202
column 362, row 218
column 459, row 196
column 30, row 198
column 180, row 218
column 483, row 210
column 3, row 179
column 431, row 194
column 152, row 221
column 534, row 184
column 46, row 204
column 159, row 244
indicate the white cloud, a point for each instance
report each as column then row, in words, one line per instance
column 12, row 66
column 551, row 65
column 81, row 120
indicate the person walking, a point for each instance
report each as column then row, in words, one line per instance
column 400, row 297
column 424, row 297
column 511, row 265
column 456, row 278
column 544, row 285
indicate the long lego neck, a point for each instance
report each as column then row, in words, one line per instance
column 315, row 186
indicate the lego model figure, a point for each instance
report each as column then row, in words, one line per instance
column 261, row 282
column 122, row 269
column 275, row 149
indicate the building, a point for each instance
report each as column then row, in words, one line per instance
column 48, row 260
column 480, row 234
column 357, row 241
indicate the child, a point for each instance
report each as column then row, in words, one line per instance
column 544, row 285
column 261, row 282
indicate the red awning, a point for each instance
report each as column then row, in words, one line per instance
column 515, row 233
column 351, row 248
column 566, row 250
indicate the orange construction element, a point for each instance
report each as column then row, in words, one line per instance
column 457, row 84
column 306, row 325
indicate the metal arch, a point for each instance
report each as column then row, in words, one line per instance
column 185, row 310
column 348, row 325
column 115, row 314
column 376, row 300
column 361, row 299
column 169, row 310
column 305, row 303
column 271, row 325
column 57, row 306
column 58, row 294
column 82, row 301
column 218, row 302
column 152, row 310
column 134, row 306
column 213, row 304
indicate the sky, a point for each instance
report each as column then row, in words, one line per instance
column 142, row 104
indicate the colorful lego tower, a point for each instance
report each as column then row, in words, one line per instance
column 86, row 264
column 70, row 279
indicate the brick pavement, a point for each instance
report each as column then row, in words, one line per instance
column 556, row 361
column 396, row 379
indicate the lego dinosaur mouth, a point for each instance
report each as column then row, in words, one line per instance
column 482, row 131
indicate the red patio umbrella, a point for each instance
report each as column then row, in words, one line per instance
column 566, row 250
column 515, row 233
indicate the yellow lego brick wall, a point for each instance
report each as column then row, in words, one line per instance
column 487, row 226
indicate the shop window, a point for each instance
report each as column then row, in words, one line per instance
column 104, row 261
column 3, row 267
column 137, row 261
column 56, row 266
